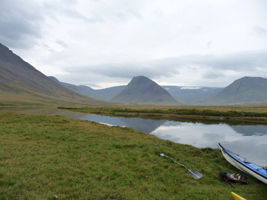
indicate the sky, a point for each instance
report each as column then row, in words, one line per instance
column 105, row 43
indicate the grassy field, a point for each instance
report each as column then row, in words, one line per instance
column 229, row 114
column 22, row 99
column 50, row 157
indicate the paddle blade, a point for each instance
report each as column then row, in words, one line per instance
column 195, row 174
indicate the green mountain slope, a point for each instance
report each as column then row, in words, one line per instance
column 19, row 81
column 242, row 91
column 144, row 90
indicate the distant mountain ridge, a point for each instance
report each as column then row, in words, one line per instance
column 242, row 91
column 101, row 94
column 19, row 79
column 246, row 90
column 191, row 95
column 184, row 94
column 143, row 90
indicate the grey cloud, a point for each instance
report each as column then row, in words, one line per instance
column 157, row 13
column 241, row 62
column 121, row 16
column 126, row 70
column 209, row 44
column 119, row 11
column 91, row 80
column 61, row 43
column 125, row 15
column 259, row 31
column 236, row 61
column 134, row 13
column 71, row 2
column 68, row 10
column 115, row 11
column 19, row 23
column 212, row 75
column 76, row 15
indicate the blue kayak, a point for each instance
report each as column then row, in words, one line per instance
column 240, row 163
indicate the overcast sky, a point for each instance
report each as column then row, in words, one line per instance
column 104, row 43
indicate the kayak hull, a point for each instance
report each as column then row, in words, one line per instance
column 247, row 167
column 237, row 197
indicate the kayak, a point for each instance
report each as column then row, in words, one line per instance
column 237, row 197
column 240, row 163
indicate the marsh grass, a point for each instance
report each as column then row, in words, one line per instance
column 228, row 114
column 44, row 156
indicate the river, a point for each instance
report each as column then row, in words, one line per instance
column 249, row 141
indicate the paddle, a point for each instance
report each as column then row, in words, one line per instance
column 193, row 173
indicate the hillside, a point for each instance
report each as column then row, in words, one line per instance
column 21, row 82
column 101, row 94
column 187, row 95
column 246, row 90
column 144, row 90
column 83, row 90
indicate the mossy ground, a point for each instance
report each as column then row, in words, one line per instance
column 43, row 156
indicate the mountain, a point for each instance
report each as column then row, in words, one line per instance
column 246, row 90
column 109, row 93
column 84, row 90
column 21, row 82
column 144, row 90
column 101, row 94
column 191, row 94
column 184, row 94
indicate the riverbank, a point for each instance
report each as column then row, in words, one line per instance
column 228, row 114
column 46, row 156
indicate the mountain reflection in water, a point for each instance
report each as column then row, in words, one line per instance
column 249, row 141
column 144, row 125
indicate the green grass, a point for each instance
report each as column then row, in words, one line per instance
column 20, row 99
column 44, row 156
column 229, row 114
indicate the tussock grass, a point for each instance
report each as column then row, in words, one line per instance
column 44, row 156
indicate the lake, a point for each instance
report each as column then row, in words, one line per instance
column 249, row 141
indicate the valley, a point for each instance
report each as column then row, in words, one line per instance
column 133, row 100
column 48, row 156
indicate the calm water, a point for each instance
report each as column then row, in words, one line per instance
column 249, row 141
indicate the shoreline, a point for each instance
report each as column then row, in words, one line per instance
column 212, row 114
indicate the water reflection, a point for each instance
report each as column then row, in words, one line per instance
column 247, row 130
column 144, row 125
column 249, row 141
column 253, row 147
